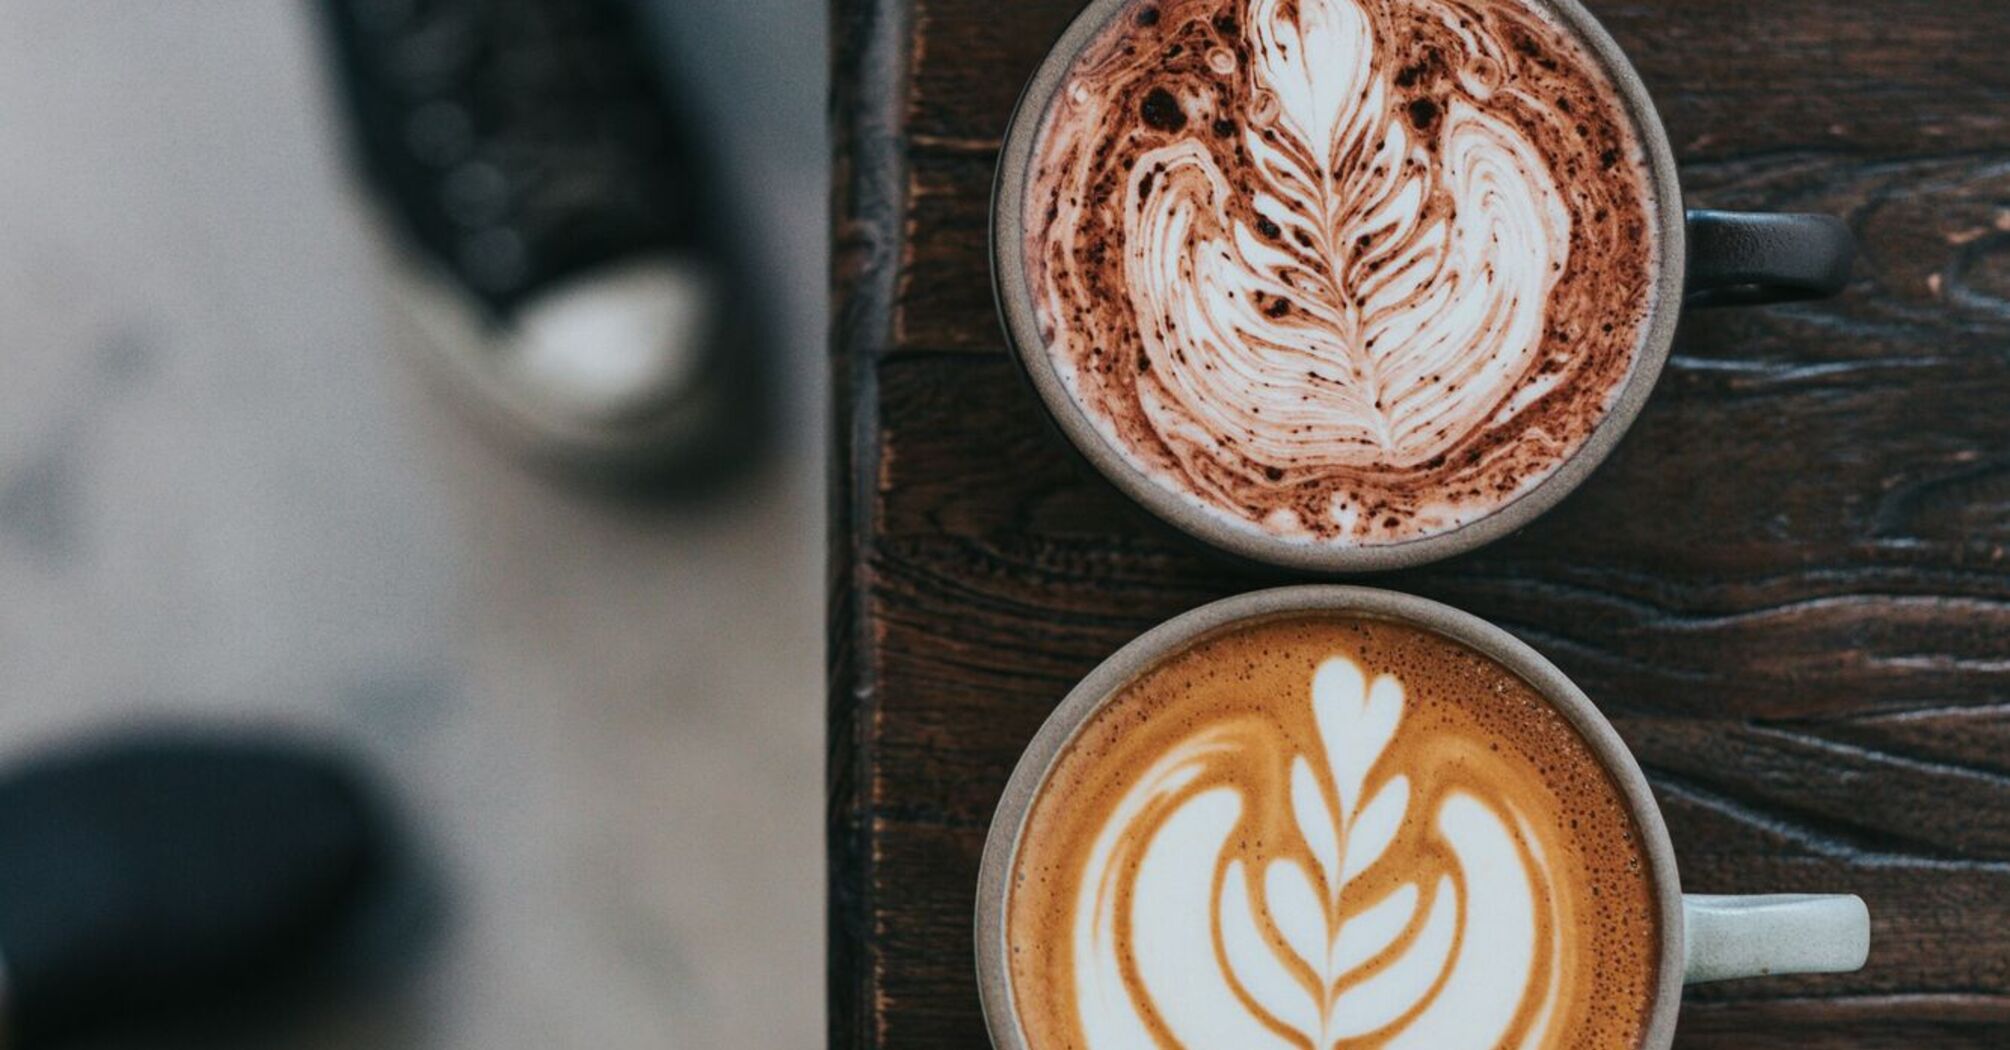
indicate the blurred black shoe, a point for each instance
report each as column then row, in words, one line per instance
column 572, row 270
column 154, row 879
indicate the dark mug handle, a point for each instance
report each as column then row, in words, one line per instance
column 1747, row 258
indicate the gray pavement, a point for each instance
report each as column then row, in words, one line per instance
column 224, row 495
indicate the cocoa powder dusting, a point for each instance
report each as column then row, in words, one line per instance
column 1396, row 336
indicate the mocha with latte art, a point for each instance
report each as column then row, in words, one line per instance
column 1350, row 272
column 1328, row 833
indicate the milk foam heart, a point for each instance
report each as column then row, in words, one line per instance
column 1347, row 271
column 1330, row 834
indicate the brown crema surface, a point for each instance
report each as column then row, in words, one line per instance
column 1237, row 702
column 1320, row 323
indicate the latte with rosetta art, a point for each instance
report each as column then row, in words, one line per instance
column 1346, row 272
column 1329, row 832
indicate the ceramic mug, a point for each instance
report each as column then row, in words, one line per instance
column 1703, row 937
column 1716, row 257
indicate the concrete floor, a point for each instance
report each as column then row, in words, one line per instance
column 224, row 496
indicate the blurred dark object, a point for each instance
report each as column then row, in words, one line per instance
column 516, row 142
column 159, row 877
column 573, row 273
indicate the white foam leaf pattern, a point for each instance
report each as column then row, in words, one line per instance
column 1231, row 961
column 1171, row 930
column 1295, row 906
column 1376, row 826
column 1366, row 324
column 1263, row 975
column 1380, row 1000
column 1315, row 820
column 1370, row 933
column 1108, row 1015
column 1356, row 722
column 1473, row 1006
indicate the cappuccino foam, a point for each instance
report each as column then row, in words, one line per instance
column 1327, row 831
column 1341, row 271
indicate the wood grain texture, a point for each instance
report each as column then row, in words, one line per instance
column 1790, row 586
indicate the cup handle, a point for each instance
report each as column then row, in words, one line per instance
column 1748, row 258
column 1754, row 936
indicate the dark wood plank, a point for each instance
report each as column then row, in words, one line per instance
column 1790, row 586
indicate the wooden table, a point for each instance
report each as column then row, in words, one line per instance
column 1789, row 586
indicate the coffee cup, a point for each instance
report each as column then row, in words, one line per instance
column 1416, row 356
column 1153, row 869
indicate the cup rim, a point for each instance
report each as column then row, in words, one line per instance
column 1022, row 331
column 1148, row 650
